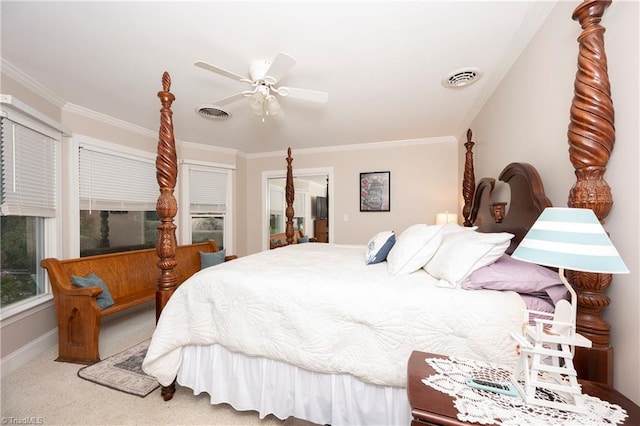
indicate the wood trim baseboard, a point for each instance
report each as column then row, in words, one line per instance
column 26, row 353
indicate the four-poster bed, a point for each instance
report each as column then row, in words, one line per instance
column 591, row 140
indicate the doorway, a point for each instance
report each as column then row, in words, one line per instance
column 313, row 190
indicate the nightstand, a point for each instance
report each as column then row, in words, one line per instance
column 432, row 407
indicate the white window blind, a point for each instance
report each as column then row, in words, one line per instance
column 276, row 200
column 116, row 181
column 298, row 204
column 207, row 190
column 28, row 171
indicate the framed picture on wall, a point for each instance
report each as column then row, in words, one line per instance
column 375, row 195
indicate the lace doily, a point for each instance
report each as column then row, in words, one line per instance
column 484, row 407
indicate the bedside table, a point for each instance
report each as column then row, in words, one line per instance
column 432, row 407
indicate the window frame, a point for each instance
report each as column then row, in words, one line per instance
column 51, row 246
column 73, row 157
column 185, row 215
column 182, row 219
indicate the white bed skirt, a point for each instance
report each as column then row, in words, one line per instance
column 274, row 387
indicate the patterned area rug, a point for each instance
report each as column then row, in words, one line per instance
column 123, row 372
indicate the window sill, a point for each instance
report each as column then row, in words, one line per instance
column 19, row 310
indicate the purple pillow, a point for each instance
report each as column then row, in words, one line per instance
column 507, row 273
column 538, row 304
column 557, row 292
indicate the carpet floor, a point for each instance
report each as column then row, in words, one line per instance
column 47, row 392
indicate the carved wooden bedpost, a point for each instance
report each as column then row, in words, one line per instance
column 289, row 196
column 167, row 207
column 469, row 180
column 591, row 137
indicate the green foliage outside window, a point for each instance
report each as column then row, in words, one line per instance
column 18, row 242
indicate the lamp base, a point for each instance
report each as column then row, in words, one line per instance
column 545, row 374
column 569, row 399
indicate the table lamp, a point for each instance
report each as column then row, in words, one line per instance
column 446, row 217
column 564, row 238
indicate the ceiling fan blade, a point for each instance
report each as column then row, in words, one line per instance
column 221, row 71
column 278, row 68
column 233, row 98
column 304, row 94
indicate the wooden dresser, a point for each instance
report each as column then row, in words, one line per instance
column 321, row 230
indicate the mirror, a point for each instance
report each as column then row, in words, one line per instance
column 310, row 206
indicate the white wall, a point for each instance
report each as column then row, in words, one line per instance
column 424, row 181
column 526, row 119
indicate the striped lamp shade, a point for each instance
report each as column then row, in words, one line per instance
column 572, row 239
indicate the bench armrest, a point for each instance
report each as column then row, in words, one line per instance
column 60, row 281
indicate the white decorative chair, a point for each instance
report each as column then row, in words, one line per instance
column 545, row 368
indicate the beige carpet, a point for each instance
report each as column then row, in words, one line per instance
column 51, row 393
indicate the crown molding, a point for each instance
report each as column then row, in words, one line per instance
column 107, row 119
column 22, row 108
column 30, row 83
column 212, row 148
column 360, row 146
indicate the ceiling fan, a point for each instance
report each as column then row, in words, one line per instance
column 263, row 78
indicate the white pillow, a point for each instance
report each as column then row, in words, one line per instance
column 379, row 246
column 450, row 228
column 461, row 253
column 413, row 248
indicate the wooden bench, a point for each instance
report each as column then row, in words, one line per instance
column 130, row 276
column 280, row 240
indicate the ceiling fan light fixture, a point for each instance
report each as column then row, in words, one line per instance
column 272, row 107
column 462, row 78
column 212, row 112
column 257, row 101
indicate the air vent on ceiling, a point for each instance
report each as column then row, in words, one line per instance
column 212, row 112
column 462, row 77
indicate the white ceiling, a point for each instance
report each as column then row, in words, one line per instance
column 381, row 63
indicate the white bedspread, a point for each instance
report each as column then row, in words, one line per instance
column 320, row 307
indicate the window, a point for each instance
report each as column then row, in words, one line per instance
column 208, row 192
column 22, row 238
column 207, row 227
column 118, row 195
column 29, row 154
column 278, row 205
column 299, row 210
column 276, row 209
